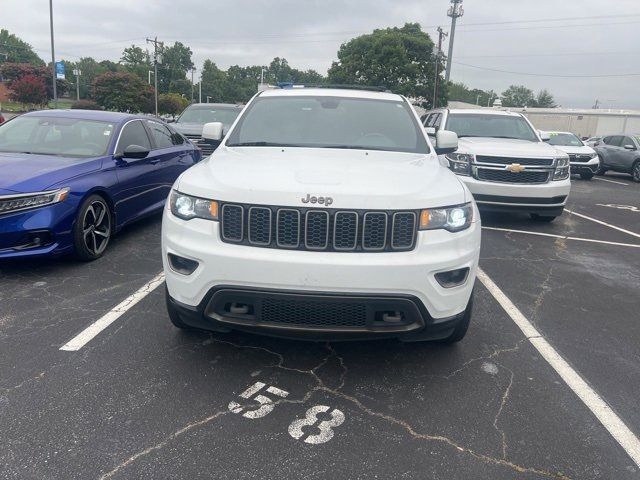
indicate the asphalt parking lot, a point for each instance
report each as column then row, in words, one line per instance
column 145, row 400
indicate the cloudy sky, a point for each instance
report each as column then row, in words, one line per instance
column 581, row 50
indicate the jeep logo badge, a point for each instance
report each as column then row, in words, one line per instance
column 320, row 200
column 515, row 168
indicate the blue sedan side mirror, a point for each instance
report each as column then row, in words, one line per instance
column 133, row 151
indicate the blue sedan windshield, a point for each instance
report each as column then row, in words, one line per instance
column 69, row 137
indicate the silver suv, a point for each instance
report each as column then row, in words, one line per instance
column 620, row 153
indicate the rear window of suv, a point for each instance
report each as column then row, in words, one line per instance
column 329, row 122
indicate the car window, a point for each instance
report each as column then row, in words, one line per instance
column 329, row 122
column 564, row 140
column 133, row 133
column 491, row 126
column 206, row 114
column 615, row 141
column 176, row 137
column 49, row 135
column 628, row 141
column 162, row 135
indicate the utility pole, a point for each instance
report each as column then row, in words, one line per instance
column 53, row 57
column 455, row 12
column 441, row 36
column 193, row 69
column 200, row 90
column 77, row 74
column 156, row 43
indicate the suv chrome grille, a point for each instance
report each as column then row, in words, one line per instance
column 318, row 229
column 495, row 169
column 508, row 177
column 198, row 141
column 540, row 162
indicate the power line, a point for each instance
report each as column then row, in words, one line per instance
column 529, row 74
column 566, row 54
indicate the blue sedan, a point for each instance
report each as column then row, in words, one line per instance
column 71, row 179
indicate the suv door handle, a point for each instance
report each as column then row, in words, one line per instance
column 154, row 161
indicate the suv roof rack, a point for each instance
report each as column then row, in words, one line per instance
column 332, row 85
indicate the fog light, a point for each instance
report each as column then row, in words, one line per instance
column 453, row 278
column 182, row 265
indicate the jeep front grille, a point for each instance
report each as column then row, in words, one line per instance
column 318, row 229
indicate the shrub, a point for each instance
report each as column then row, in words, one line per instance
column 85, row 105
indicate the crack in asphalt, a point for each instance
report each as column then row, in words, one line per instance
column 322, row 387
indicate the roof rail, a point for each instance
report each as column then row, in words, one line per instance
column 329, row 85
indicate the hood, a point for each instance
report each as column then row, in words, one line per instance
column 506, row 147
column 188, row 128
column 24, row 173
column 584, row 150
column 354, row 179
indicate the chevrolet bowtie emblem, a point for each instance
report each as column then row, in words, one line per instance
column 515, row 168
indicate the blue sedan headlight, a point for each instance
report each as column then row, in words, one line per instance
column 16, row 203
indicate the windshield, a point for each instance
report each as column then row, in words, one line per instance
column 565, row 140
column 69, row 137
column 492, row 126
column 205, row 114
column 330, row 122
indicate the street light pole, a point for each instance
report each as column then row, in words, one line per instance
column 155, row 67
column 53, row 57
column 193, row 69
column 454, row 12
column 200, row 90
column 77, row 74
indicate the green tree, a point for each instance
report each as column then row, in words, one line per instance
column 91, row 69
column 136, row 60
column 14, row 50
column 461, row 93
column 518, row 96
column 400, row 59
column 171, row 103
column 545, row 99
column 175, row 63
column 123, row 92
column 214, row 82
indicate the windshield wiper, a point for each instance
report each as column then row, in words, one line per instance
column 350, row 147
column 260, row 144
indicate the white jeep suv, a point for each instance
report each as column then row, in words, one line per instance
column 324, row 213
column 505, row 162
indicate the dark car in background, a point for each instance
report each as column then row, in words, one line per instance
column 193, row 118
column 70, row 179
column 620, row 153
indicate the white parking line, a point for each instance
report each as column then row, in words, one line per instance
column 84, row 337
column 610, row 181
column 602, row 223
column 563, row 237
column 592, row 400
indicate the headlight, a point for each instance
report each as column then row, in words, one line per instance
column 562, row 169
column 460, row 163
column 593, row 155
column 453, row 219
column 14, row 203
column 187, row 207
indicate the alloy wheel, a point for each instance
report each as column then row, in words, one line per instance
column 636, row 172
column 96, row 227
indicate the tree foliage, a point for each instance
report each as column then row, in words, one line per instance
column 520, row 96
column 14, row 50
column 461, row 93
column 123, row 92
column 12, row 72
column 545, row 99
column 175, row 63
column 171, row 103
column 400, row 59
column 29, row 90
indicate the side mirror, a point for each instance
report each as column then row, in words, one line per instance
column 212, row 131
column 446, row 142
column 133, row 151
column 544, row 136
column 629, row 147
column 431, row 131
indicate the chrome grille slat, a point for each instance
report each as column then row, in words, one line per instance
column 318, row 229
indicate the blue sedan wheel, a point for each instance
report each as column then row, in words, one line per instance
column 92, row 230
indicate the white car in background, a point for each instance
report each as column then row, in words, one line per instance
column 505, row 162
column 584, row 159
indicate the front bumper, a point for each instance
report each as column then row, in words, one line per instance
column 390, row 277
column 545, row 198
column 36, row 232
column 590, row 166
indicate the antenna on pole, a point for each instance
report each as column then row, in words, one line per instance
column 455, row 12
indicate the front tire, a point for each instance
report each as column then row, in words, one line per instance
column 463, row 326
column 635, row 171
column 92, row 229
column 601, row 170
column 542, row 218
